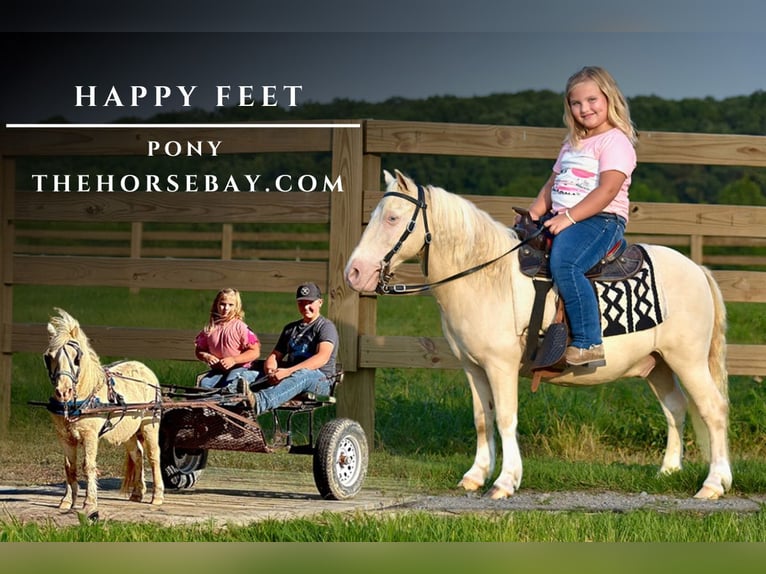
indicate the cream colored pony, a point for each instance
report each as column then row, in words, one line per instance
column 127, row 394
column 486, row 312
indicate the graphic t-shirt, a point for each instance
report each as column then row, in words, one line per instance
column 300, row 340
column 577, row 170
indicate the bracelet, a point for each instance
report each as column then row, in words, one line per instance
column 569, row 217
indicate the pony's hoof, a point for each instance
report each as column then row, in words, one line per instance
column 156, row 502
column 86, row 515
column 668, row 470
column 136, row 497
column 497, row 493
column 708, row 493
column 65, row 506
column 469, row 484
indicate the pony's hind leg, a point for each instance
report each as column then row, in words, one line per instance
column 665, row 386
column 710, row 404
column 133, row 481
column 151, row 434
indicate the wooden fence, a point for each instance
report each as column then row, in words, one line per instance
column 356, row 160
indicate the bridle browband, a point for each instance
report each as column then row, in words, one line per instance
column 384, row 288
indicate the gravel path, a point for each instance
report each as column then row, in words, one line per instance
column 584, row 501
column 227, row 496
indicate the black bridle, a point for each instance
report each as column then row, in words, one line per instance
column 384, row 288
column 420, row 203
column 72, row 371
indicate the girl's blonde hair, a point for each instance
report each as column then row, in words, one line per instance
column 236, row 311
column 618, row 113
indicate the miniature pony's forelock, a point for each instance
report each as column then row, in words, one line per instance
column 65, row 328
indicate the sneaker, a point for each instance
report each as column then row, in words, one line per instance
column 244, row 389
column 593, row 356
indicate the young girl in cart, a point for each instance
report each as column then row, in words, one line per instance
column 226, row 344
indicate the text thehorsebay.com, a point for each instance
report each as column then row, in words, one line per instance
column 161, row 96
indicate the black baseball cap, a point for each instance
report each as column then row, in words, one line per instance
column 308, row 292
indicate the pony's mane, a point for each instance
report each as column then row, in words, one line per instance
column 482, row 236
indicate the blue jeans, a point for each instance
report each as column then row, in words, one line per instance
column 575, row 250
column 304, row 380
column 227, row 381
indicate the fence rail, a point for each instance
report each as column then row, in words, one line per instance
column 134, row 253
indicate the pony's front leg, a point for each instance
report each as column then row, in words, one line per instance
column 505, row 392
column 90, row 445
column 483, row 420
column 70, row 470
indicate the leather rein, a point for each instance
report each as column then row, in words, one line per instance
column 385, row 288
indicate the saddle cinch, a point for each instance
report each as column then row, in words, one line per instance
column 546, row 357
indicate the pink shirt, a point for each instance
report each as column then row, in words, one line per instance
column 577, row 170
column 226, row 339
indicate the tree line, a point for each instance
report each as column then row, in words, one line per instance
column 488, row 176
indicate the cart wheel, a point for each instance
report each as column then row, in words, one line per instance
column 181, row 467
column 340, row 459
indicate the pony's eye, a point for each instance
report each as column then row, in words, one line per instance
column 392, row 218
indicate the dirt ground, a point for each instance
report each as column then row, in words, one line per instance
column 228, row 496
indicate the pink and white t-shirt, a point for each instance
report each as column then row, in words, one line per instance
column 577, row 170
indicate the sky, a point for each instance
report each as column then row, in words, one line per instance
column 369, row 51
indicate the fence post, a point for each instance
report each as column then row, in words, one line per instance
column 358, row 398
column 7, row 207
column 345, row 227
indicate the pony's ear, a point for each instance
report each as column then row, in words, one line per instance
column 51, row 330
column 404, row 181
column 387, row 177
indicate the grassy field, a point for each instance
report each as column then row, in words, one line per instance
column 607, row 437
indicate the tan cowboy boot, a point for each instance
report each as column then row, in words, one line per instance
column 592, row 356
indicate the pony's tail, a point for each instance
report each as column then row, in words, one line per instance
column 716, row 362
column 717, row 354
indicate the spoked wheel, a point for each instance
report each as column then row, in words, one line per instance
column 181, row 467
column 340, row 459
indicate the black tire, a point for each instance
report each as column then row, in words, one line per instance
column 181, row 467
column 340, row 459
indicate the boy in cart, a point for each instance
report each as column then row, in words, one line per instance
column 303, row 359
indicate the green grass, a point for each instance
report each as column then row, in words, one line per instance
column 609, row 437
column 531, row 526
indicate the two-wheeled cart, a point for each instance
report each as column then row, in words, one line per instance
column 196, row 420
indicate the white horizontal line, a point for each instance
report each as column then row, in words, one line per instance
column 180, row 126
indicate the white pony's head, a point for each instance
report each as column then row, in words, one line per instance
column 397, row 220
column 67, row 356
